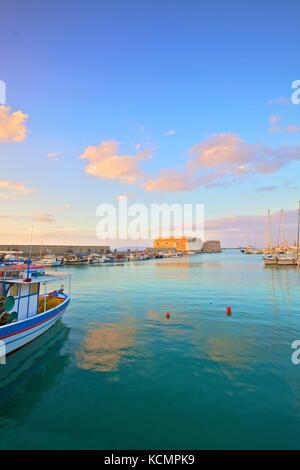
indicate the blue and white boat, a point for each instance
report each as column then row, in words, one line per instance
column 27, row 309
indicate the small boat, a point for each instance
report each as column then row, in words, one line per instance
column 49, row 261
column 270, row 260
column 108, row 259
column 286, row 260
column 74, row 260
column 25, row 311
column 249, row 250
column 11, row 271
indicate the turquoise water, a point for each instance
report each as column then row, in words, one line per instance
column 116, row 374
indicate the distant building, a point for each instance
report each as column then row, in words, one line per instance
column 178, row 244
column 211, row 246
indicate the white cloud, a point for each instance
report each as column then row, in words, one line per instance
column 170, row 132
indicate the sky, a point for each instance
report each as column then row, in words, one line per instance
column 163, row 101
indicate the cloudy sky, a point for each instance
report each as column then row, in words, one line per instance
column 165, row 101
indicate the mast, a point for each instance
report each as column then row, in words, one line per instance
column 270, row 232
column 279, row 228
column 283, row 229
column 298, row 233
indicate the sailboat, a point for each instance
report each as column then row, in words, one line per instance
column 270, row 259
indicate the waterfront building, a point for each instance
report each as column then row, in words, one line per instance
column 178, row 244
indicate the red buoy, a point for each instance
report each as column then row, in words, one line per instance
column 168, row 314
column 228, row 310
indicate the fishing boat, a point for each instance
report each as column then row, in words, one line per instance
column 108, row 259
column 74, row 260
column 14, row 270
column 101, row 260
column 25, row 311
column 49, row 261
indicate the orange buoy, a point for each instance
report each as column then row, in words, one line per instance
column 168, row 314
column 228, row 311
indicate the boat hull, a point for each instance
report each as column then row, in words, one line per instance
column 270, row 261
column 286, row 262
column 17, row 335
column 50, row 264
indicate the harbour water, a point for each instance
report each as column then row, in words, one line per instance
column 115, row 373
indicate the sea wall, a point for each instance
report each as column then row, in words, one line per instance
column 58, row 250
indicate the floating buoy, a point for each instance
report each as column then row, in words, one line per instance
column 228, row 311
column 168, row 314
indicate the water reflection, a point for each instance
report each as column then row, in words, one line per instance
column 279, row 283
column 232, row 352
column 30, row 372
column 106, row 344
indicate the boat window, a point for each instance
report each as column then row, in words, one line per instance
column 13, row 290
column 34, row 288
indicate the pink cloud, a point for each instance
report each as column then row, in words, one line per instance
column 44, row 217
column 171, row 180
column 241, row 230
column 12, row 189
column 274, row 119
column 221, row 158
column 12, row 125
column 213, row 162
column 106, row 162
column 290, row 129
column 281, row 100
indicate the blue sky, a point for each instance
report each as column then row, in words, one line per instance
column 86, row 72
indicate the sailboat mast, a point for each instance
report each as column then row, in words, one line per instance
column 279, row 229
column 298, row 232
column 270, row 232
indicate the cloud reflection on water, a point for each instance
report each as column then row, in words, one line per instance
column 106, row 344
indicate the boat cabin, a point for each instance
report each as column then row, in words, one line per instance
column 23, row 298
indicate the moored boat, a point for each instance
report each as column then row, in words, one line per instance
column 25, row 311
column 49, row 261
column 270, row 260
column 286, row 260
column 74, row 260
